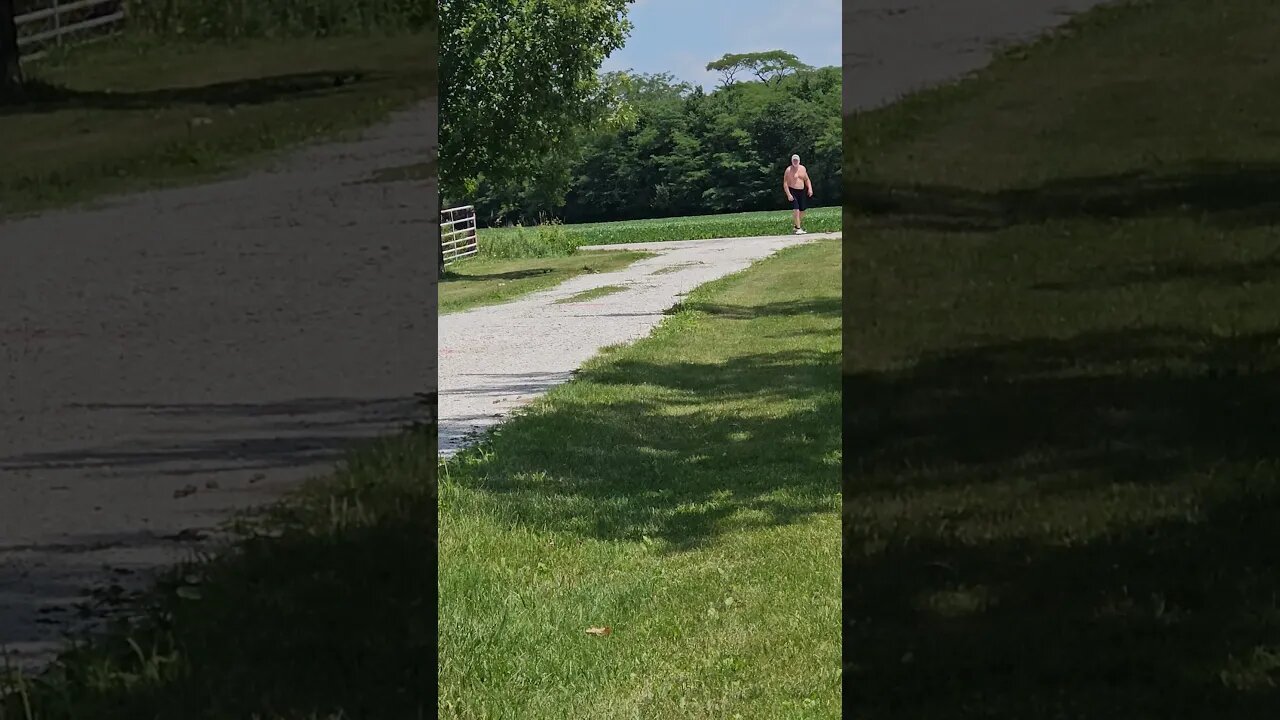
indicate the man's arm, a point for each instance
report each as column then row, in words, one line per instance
column 807, row 182
column 786, row 187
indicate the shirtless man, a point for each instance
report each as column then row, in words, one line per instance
column 798, row 187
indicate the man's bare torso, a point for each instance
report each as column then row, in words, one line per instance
column 796, row 177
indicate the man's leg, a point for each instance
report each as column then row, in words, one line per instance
column 795, row 219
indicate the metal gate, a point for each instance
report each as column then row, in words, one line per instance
column 458, row 233
column 51, row 25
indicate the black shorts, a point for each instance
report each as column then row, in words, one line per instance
column 799, row 199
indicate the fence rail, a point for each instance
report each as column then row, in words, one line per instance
column 64, row 23
column 458, row 233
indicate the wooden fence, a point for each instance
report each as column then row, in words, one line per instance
column 458, row 233
column 67, row 23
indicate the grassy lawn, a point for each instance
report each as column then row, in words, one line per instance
column 485, row 281
column 680, row 493
column 701, row 227
column 1061, row 355
column 131, row 114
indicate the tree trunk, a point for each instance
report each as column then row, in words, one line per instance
column 10, row 62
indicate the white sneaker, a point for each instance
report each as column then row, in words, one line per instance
column 801, row 231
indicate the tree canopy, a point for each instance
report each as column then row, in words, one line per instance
column 518, row 80
column 683, row 151
column 768, row 66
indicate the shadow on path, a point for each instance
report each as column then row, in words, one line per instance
column 43, row 97
column 211, row 438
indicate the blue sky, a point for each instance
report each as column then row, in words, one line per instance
column 681, row 36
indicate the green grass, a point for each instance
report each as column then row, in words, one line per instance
column 323, row 614
column 1061, row 355
column 700, row 227
column 482, row 281
column 593, row 294
column 681, row 492
column 668, row 270
column 135, row 114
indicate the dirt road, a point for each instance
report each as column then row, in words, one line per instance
column 176, row 355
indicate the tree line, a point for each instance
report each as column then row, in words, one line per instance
column 670, row 148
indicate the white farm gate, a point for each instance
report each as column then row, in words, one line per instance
column 458, row 234
column 66, row 22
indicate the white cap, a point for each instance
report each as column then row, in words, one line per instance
column 795, row 157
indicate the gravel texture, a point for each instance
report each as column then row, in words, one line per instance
column 497, row 358
column 173, row 356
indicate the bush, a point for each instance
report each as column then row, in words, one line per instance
column 548, row 239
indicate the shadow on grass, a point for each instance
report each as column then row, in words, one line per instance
column 1170, row 615
column 746, row 442
column 43, row 97
column 1230, row 194
column 1103, row 277
column 1089, row 402
column 1171, row 620
column 329, row 616
column 830, row 307
column 453, row 276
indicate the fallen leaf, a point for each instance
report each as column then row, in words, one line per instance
column 600, row 631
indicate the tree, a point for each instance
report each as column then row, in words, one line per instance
column 11, row 81
column 686, row 152
column 728, row 66
column 518, row 79
column 771, row 65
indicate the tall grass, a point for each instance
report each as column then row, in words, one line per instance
column 233, row 19
column 549, row 239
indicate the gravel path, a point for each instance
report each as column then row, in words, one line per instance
column 496, row 358
column 893, row 47
column 172, row 356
